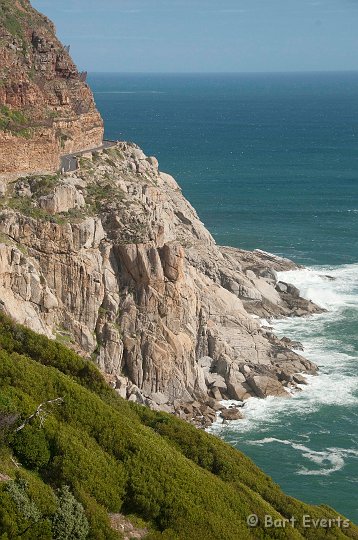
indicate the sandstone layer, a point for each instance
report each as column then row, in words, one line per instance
column 114, row 261
column 46, row 107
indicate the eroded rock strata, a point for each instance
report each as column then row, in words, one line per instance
column 46, row 107
column 114, row 260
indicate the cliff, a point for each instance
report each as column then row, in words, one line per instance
column 114, row 259
column 46, row 108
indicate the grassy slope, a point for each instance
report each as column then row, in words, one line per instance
column 120, row 457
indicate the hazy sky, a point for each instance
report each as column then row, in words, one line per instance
column 208, row 35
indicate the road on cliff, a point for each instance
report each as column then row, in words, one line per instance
column 69, row 161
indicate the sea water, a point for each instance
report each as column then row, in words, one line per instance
column 270, row 161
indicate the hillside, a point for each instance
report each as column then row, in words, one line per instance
column 117, row 457
column 46, row 107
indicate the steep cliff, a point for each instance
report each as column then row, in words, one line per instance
column 114, row 258
column 46, row 108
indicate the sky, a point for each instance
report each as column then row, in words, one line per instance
column 207, row 35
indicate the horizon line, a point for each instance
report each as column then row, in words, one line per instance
column 292, row 72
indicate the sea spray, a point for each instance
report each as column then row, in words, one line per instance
column 313, row 435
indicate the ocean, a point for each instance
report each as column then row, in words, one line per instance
column 270, row 161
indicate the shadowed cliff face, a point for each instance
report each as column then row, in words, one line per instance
column 114, row 259
column 46, row 108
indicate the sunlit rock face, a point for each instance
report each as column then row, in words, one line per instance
column 46, row 107
column 113, row 260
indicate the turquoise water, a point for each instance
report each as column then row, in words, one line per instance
column 271, row 162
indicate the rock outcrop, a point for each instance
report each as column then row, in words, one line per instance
column 46, row 107
column 115, row 260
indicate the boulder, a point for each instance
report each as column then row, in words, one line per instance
column 264, row 386
column 231, row 414
column 205, row 362
column 291, row 289
column 213, row 379
column 269, row 274
column 64, row 198
column 250, row 274
column 281, row 287
column 284, row 376
column 159, row 398
column 215, row 392
column 214, row 405
column 245, row 370
column 299, row 379
column 239, row 391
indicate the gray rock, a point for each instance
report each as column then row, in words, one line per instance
column 213, row 379
column 250, row 274
column 205, row 362
column 281, row 287
column 291, row 289
column 265, row 386
column 231, row 414
column 269, row 274
column 216, row 394
column 240, row 391
column 159, row 398
column 299, row 379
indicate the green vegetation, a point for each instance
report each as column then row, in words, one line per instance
column 98, row 195
column 10, row 18
column 14, row 121
column 41, row 186
column 116, row 456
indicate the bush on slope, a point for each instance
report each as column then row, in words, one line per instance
column 119, row 457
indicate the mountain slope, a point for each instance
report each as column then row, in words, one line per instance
column 120, row 457
column 46, row 108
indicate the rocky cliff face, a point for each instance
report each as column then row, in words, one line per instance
column 114, row 259
column 46, row 108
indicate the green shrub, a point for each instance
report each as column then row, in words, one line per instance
column 19, row 514
column 31, row 447
column 69, row 522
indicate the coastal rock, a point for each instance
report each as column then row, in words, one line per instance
column 299, row 379
column 64, row 198
column 264, row 386
column 231, row 414
column 239, row 391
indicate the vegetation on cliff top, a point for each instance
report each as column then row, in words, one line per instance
column 11, row 17
column 14, row 121
column 115, row 456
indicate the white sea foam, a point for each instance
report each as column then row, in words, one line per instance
column 317, row 284
column 337, row 383
column 330, row 459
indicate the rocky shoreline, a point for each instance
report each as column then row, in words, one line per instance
column 112, row 260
